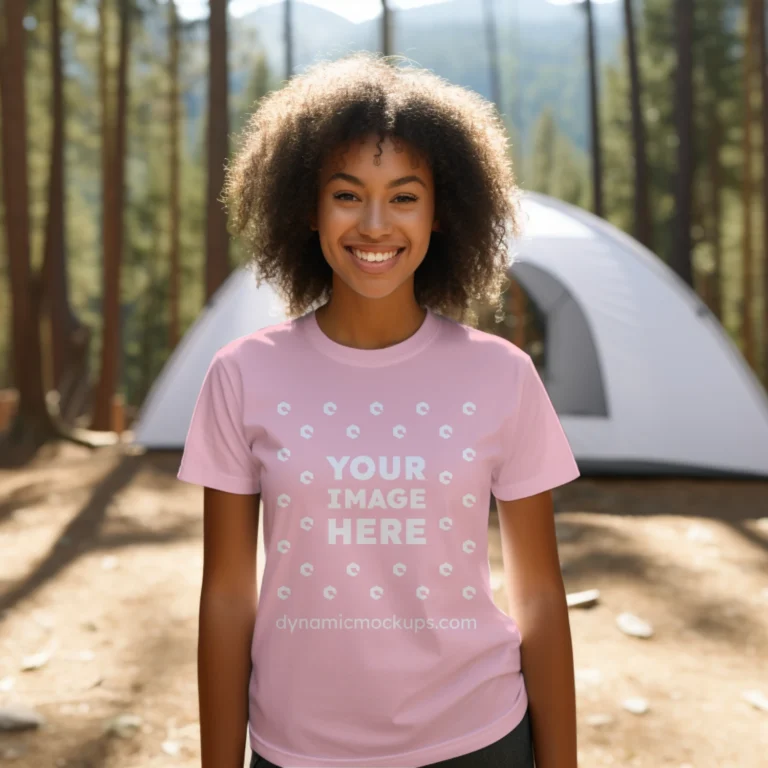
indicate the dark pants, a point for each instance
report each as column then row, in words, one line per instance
column 515, row 750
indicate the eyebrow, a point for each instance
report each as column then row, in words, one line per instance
column 396, row 183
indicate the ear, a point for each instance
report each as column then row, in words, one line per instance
column 313, row 221
column 436, row 226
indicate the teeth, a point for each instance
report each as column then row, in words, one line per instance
column 367, row 256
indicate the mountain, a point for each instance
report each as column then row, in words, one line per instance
column 542, row 49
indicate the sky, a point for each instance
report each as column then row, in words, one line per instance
column 354, row 10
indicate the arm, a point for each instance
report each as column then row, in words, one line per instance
column 228, row 603
column 537, row 603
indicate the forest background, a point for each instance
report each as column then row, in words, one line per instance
column 113, row 231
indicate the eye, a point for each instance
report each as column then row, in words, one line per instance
column 406, row 198
column 343, row 196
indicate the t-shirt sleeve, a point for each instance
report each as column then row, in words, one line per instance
column 216, row 452
column 536, row 455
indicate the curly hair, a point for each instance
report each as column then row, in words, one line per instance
column 272, row 181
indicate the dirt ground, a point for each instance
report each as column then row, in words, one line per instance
column 100, row 567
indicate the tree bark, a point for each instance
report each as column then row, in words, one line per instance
column 492, row 48
column 714, row 142
column 69, row 338
column 32, row 424
column 763, row 44
column 217, row 237
column 681, row 254
column 288, row 35
column 594, row 109
column 174, row 287
column 747, row 326
column 643, row 218
column 386, row 28
column 113, row 236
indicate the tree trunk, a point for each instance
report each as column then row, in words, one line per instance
column 763, row 45
column 68, row 336
column 519, row 310
column 516, row 296
column 714, row 143
column 747, row 327
column 32, row 424
column 493, row 53
column 288, row 35
column 681, row 254
column 174, row 288
column 113, row 237
column 643, row 218
column 594, row 110
column 217, row 237
column 386, row 28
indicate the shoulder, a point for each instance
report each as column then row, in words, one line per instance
column 254, row 351
column 491, row 353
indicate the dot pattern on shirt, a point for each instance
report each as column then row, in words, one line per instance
column 353, row 569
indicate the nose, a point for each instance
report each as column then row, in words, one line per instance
column 374, row 220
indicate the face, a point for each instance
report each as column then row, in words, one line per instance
column 375, row 221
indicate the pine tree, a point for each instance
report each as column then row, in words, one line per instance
column 32, row 425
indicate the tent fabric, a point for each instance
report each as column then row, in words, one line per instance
column 644, row 378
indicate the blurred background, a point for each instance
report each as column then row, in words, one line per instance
column 116, row 121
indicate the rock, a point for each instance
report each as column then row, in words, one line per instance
column 18, row 718
column 171, row 747
column 599, row 720
column 125, row 726
column 636, row 705
column 756, row 698
column 631, row 625
column 585, row 599
column 35, row 660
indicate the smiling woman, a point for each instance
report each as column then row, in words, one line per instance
column 373, row 427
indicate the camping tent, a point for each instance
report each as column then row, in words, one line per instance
column 643, row 376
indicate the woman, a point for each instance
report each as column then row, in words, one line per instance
column 374, row 426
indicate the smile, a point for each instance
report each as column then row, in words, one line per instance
column 375, row 262
column 374, row 256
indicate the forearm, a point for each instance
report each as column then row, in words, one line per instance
column 547, row 663
column 224, row 667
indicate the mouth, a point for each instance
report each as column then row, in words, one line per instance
column 374, row 257
column 374, row 262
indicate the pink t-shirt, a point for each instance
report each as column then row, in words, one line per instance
column 377, row 641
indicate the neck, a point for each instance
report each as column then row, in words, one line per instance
column 355, row 321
